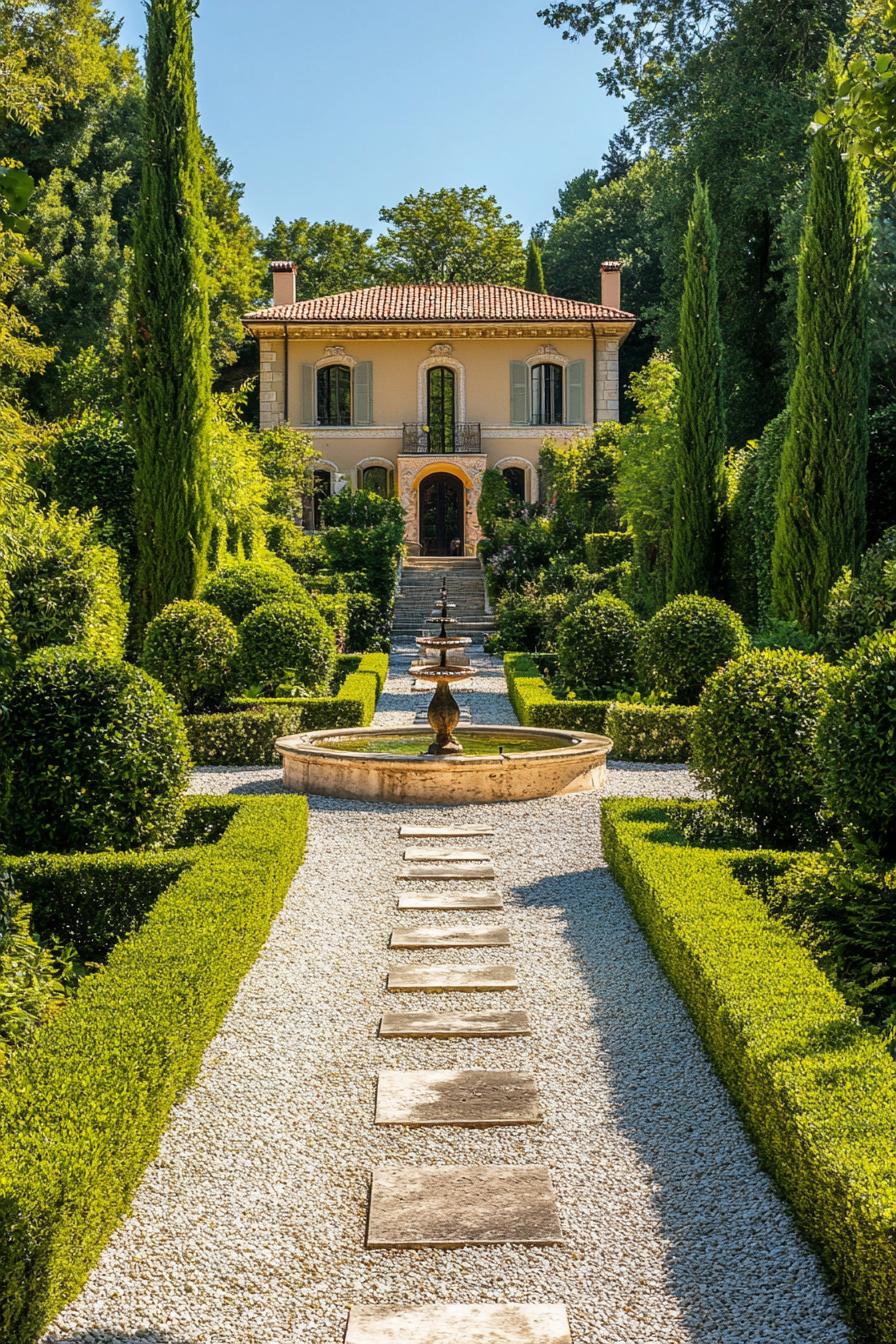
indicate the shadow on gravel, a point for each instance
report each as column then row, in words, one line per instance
column 730, row 1251
column 107, row 1334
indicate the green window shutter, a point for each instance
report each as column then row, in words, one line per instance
column 519, row 393
column 307, row 394
column 575, row 393
column 362, row 394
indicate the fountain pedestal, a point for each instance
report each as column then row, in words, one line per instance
column 443, row 713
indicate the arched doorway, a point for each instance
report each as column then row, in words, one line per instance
column 441, row 515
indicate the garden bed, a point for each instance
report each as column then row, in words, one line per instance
column 817, row 1089
column 640, row 732
column 83, row 1105
column 245, row 733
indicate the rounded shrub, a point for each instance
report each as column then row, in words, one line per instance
column 191, row 648
column 93, row 754
column 238, row 589
column 857, row 743
column 685, row 642
column 63, row 588
column 284, row 642
column 596, row 646
column 753, row 740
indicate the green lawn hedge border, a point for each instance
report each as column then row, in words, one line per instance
column 83, row 1106
column 245, row 735
column 639, row 732
column 817, row 1090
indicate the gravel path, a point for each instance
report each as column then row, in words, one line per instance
column 249, row 1227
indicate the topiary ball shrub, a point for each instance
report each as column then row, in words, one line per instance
column 857, row 743
column 191, row 648
column 753, row 741
column 93, row 755
column 596, row 646
column 238, row 589
column 685, row 642
column 286, row 643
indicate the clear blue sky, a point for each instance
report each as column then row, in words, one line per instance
column 333, row 109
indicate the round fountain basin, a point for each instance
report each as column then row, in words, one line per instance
column 391, row 765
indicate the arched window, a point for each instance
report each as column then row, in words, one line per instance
column 547, row 394
column 440, row 409
column 378, row 480
column 516, row 482
column 334, row 395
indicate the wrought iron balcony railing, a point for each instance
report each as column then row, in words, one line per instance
column 432, row 439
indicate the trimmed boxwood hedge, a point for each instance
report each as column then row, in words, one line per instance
column 245, row 735
column 93, row 900
column 659, row 733
column 817, row 1090
column 639, row 732
column 83, row 1106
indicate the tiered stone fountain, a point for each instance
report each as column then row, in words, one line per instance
column 444, row 712
column 480, row 763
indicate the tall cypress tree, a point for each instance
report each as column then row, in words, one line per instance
column 700, row 455
column 534, row 268
column 168, row 367
column 820, row 506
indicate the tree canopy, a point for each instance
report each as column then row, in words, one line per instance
column 453, row 235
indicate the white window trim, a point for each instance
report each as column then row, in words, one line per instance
column 460, row 387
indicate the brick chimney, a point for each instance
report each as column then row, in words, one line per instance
column 283, row 274
column 611, row 284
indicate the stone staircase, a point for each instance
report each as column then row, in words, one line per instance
column 421, row 582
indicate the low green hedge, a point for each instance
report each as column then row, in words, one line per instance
column 650, row 732
column 93, row 900
column 639, row 732
column 817, row 1090
column 83, row 1106
column 245, row 735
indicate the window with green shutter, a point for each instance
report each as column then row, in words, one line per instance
column 519, row 393
column 575, row 393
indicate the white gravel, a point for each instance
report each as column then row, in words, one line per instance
column 249, row 1227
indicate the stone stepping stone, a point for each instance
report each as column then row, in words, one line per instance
column 480, row 1022
column 452, row 900
column 451, row 935
column 475, row 1098
column 436, row 854
column 460, row 1323
column 441, row 832
column 446, row 1206
column 449, row 872
column 462, row 979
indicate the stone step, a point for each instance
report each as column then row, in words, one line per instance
column 434, row 832
column 419, row 979
column 450, row 872
column 452, row 900
column 450, row 935
column 447, row 1206
column 443, row 1026
column 467, row 1098
column 454, row 1323
column 442, row 854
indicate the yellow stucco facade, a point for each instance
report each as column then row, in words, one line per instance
column 491, row 378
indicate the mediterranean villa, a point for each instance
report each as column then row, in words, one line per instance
column 415, row 390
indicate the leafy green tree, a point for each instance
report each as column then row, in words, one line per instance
column 700, row 456
column 723, row 88
column 644, row 485
column 534, row 280
column 454, row 235
column 579, row 475
column 820, row 524
column 169, row 373
column 234, row 269
column 620, row 218
column 329, row 257
column 862, row 105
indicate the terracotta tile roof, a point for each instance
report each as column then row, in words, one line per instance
column 440, row 303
